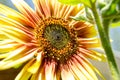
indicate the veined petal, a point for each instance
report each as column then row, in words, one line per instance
column 8, row 45
column 66, row 74
column 4, row 10
column 81, row 68
column 18, row 51
column 50, row 71
column 88, row 66
column 16, row 34
column 84, row 29
column 55, row 8
column 89, row 42
column 34, row 67
column 24, row 8
column 85, row 64
column 76, row 72
column 5, row 21
column 3, row 37
column 78, row 9
column 91, row 54
column 43, row 8
column 24, row 75
column 20, row 59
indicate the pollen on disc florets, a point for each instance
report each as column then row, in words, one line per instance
column 56, row 38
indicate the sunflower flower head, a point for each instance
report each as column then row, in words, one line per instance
column 47, row 41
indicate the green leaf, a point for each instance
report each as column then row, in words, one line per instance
column 87, row 3
column 111, row 9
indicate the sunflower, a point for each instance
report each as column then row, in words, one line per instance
column 50, row 44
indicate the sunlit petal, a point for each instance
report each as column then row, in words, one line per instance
column 24, row 8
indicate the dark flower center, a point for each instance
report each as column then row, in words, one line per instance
column 57, row 35
column 56, row 39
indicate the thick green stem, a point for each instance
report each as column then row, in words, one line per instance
column 106, row 43
column 106, row 24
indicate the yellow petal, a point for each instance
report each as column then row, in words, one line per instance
column 4, row 10
column 15, row 34
column 24, row 8
column 11, row 63
column 8, row 45
column 84, row 29
column 3, row 37
column 24, row 75
column 16, row 52
column 4, row 55
column 34, row 68
column 89, row 42
column 5, row 21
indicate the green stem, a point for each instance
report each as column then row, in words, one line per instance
column 106, row 44
column 106, row 24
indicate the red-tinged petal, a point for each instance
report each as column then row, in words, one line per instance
column 16, row 34
column 25, row 9
column 8, row 45
column 88, row 66
column 5, row 21
column 43, row 8
column 84, row 29
column 16, row 52
column 50, row 70
column 89, row 42
column 81, row 68
column 55, row 8
column 76, row 72
column 4, row 10
column 91, row 54
column 66, row 74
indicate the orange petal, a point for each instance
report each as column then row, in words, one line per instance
column 89, row 42
column 16, row 34
column 84, row 29
column 43, row 7
column 8, row 45
column 4, row 10
column 24, row 8
column 9, row 22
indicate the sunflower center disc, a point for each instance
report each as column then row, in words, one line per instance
column 56, row 38
column 57, row 35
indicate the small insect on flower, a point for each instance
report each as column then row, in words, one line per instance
column 50, row 44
